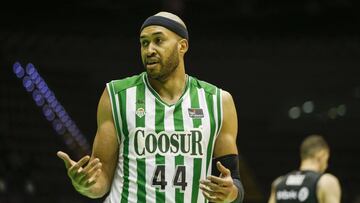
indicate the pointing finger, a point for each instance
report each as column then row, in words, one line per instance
column 224, row 171
column 65, row 157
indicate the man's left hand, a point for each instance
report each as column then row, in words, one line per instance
column 219, row 189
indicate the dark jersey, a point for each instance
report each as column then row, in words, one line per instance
column 297, row 187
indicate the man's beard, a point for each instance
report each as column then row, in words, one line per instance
column 167, row 67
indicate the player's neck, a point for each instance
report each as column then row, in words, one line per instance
column 171, row 89
column 309, row 165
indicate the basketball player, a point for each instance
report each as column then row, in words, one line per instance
column 159, row 131
column 309, row 184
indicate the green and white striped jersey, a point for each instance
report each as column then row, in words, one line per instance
column 164, row 150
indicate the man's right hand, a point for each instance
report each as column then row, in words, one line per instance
column 82, row 177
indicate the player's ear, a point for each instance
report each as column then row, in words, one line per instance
column 183, row 46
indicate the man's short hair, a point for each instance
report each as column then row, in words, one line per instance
column 311, row 145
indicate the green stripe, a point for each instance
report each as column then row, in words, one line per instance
column 210, row 106
column 178, row 118
column 159, row 126
column 179, row 160
column 197, row 161
column 159, row 116
column 195, row 104
column 140, row 123
column 196, row 176
column 179, row 194
column 122, row 102
column 219, row 110
column 114, row 109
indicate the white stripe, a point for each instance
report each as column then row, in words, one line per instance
column 169, row 160
column 131, row 122
column 188, row 161
column 120, row 122
column 150, row 161
column 205, row 122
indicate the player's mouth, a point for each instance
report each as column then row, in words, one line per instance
column 152, row 63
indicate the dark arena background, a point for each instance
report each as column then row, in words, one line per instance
column 293, row 68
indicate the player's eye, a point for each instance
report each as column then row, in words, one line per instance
column 144, row 43
column 158, row 40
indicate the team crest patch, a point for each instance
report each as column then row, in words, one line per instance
column 196, row 113
column 140, row 112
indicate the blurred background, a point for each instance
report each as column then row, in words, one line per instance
column 291, row 66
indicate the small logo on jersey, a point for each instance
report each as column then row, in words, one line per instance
column 140, row 112
column 303, row 194
column 196, row 113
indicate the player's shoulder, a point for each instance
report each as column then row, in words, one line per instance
column 277, row 181
column 328, row 185
column 125, row 83
column 208, row 87
column 327, row 180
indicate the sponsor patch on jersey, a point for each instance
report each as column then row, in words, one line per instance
column 140, row 112
column 149, row 143
column 286, row 195
column 295, row 179
column 196, row 113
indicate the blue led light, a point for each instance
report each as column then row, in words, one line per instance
column 76, row 132
column 34, row 76
column 38, row 98
column 51, row 107
column 50, row 99
column 54, row 103
column 48, row 94
column 68, row 123
column 18, row 70
column 44, row 90
column 64, row 119
column 30, row 69
column 61, row 113
column 72, row 128
column 48, row 113
column 58, row 126
column 38, row 80
column 41, row 85
column 58, row 108
column 28, row 84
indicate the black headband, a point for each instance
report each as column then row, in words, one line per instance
column 167, row 23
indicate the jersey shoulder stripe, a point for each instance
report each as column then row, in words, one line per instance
column 208, row 88
column 123, row 84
